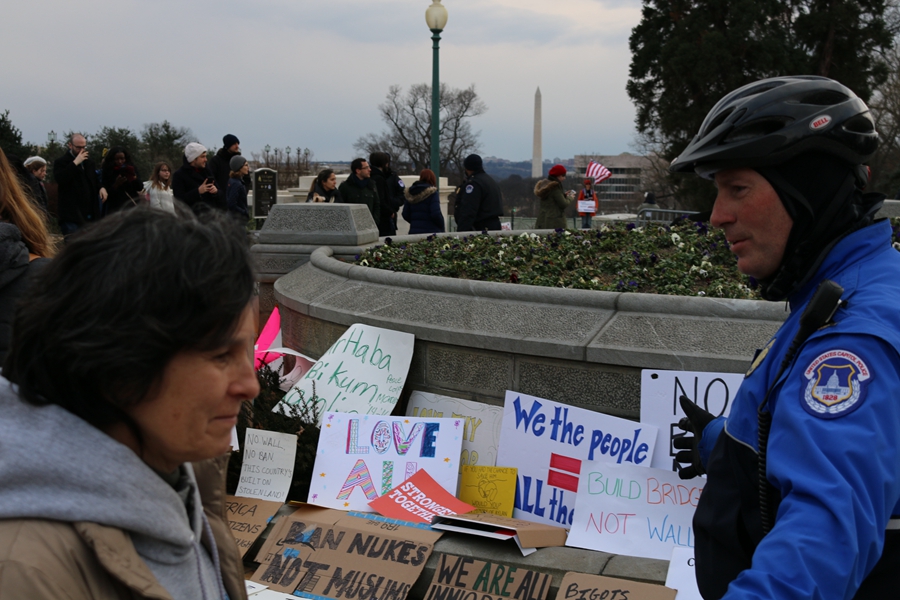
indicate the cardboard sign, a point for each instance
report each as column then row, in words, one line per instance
column 268, row 466
column 489, row 489
column 528, row 536
column 419, row 499
column 458, row 576
column 362, row 457
column 547, row 442
column 681, row 575
column 635, row 511
column 481, row 435
column 248, row 518
column 363, row 372
column 581, row 586
column 323, row 552
column 660, row 391
column 587, row 206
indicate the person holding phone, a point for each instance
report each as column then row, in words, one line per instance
column 120, row 180
column 193, row 183
column 79, row 188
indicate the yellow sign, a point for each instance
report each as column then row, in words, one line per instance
column 488, row 489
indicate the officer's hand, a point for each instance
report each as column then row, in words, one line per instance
column 695, row 422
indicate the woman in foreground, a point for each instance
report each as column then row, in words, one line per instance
column 128, row 365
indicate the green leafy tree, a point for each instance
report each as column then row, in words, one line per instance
column 687, row 54
column 108, row 137
column 11, row 138
column 164, row 141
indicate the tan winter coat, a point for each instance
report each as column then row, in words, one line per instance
column 55, row 560
column 553, row 205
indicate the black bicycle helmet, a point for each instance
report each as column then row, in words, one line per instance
column 773, row 120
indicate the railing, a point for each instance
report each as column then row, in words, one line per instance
column 662, row 215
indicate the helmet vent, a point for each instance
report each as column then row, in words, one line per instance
column 720, row 118
column 860, row 124
column 824, row 98
column 757, row 129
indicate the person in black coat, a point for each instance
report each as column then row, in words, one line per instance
column 390, row 192
column 193, row 183
column 422, row 209
column 36, row 168
column 479, row 205
column 120, row 180
column 79, row 188
column 220, row 166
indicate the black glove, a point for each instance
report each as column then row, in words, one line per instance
column 695, row 422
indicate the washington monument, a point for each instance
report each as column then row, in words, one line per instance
column 537, row 162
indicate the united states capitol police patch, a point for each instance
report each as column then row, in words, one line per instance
column 836, row 386
column 469, row 188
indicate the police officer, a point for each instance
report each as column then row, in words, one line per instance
column 803, row 484
column 479, row 205
column 390, row 191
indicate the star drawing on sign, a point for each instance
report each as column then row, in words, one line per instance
column 456, row 424
column 321, row 474
column 346, row 504
column 406, row 420
column 447, row 459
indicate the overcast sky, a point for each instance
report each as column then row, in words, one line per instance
column 312, row 73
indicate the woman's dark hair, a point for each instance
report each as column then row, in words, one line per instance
column 321, row 178
column 110, row 158
column 427, row 175
column 102, row 321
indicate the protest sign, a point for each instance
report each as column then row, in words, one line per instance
column 363, row 372
column 418, row 499
column 634, row 511
column 323, row 552
column 268, row 466
column 581, row 586
column 547, row 442
column 660, row 391
column 587, row 206
column 489, row 489
column 528, row 536
column 269, row 337
column 248, row 518
column 481, row 435
column 461, row 578
column 681, row 575
column 253, row 587
column 362, row 457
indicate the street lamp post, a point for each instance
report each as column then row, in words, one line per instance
column 267, row 148
column 436, row 19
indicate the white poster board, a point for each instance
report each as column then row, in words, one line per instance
column 268, row 467
column 548, row 441
column 481, row 429
column 363, row 372
column 682, row 576
column 586, row 206
column 624, row 509
column 660, row 390
column 362, row 457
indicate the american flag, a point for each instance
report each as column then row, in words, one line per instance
column 598, row 172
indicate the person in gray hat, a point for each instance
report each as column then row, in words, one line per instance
column 236, row 193
column 479, row 204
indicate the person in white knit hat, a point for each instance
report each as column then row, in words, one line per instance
column 193, row 183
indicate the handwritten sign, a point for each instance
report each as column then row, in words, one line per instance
column 548, row 441
column 682, row 576
column 459, row 577
column 248, row 518
column 587, row 206
column 660, row 391
column 419, row 499
column 581, row 586
column 268, row 467
column 322, row 552
column 634, row 511
column 363, row 372
column 362, row 457
column 489, row 489
column 481, row 436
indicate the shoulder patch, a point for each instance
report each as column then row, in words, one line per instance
column 836, row 386
column 469, row 188
column 401, row 184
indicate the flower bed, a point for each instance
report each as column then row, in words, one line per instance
column 685, row 259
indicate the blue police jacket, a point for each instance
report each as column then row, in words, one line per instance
column 833, row 450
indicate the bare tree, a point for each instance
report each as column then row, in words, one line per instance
column 885, row 108
column 408, row 117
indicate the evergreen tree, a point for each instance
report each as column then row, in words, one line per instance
column 687, row 54
column 11, row 138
